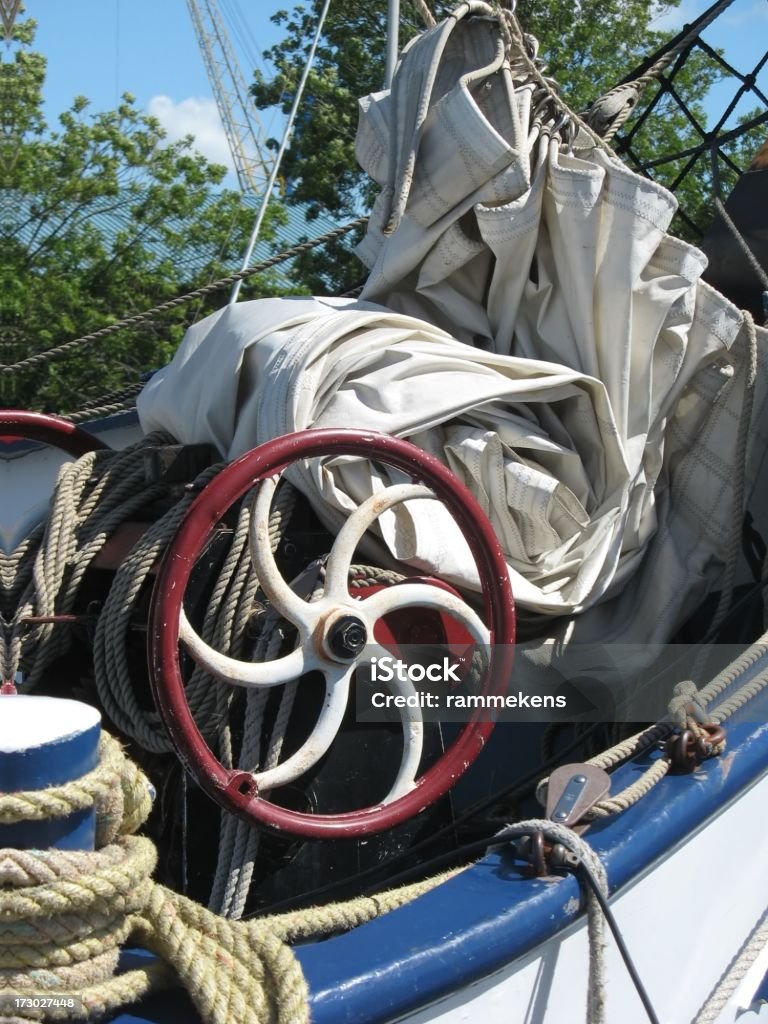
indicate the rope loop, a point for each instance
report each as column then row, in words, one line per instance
column 685, row 704
column 65, row 914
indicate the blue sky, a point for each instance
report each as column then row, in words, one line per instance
column 101, row 48
column 741, row 33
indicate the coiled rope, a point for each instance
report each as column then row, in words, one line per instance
column 65, row 914
column 41, row 578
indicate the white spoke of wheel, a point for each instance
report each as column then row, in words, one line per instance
column 280, row 595
column 423, row 595
column 349, row 536
column 244, row 673
column 413, row 742
column 322, row 736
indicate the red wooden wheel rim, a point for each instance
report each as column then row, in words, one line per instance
column 16, row 425
column 235, row 789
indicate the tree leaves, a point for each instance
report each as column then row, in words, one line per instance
column 100, row 217
column 588, row 47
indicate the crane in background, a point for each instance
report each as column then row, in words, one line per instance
column 8, row 11
column 244, row 131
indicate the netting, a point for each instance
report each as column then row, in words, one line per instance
column 721, row 132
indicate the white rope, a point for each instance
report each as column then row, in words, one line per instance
column 734, row 973
column 92, row 497
column 426, row 15
column 595, row 1012
column 280, row 153
column 740, row 472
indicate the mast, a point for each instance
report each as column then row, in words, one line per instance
column 393, row 40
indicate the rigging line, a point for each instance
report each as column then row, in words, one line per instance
column 269, row 187
column 737, row 235
column 519, row 787
column 687, row 35
column 426, row 15
column 742, row 243
column 194, row 314
column 749, row 81
column 586, row 873
column 141, row 318
column 720, row 141
column 638, row 121
column 515, row 789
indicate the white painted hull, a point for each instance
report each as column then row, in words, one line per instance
column 683, row 921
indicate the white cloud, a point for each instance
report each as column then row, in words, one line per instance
column 198, row 116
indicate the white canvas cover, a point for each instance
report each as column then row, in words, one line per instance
column 528, row 320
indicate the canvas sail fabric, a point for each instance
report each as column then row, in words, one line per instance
column 528, row 320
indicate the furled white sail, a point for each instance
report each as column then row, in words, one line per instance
column 527, row 319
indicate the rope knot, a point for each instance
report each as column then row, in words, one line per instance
column 685, row 705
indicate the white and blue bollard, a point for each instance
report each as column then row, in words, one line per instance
column 47, row 741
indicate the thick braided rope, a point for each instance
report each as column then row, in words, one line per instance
column 41, row 578
column 595, row 1013
column 426, row 15
column 116, row 787
column 725, row 679
column 610, row 112
column 741, row 697
column 734, row 974
column 65, row 914
column 616, row 755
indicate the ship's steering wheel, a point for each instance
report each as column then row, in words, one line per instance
column 332, row 631
column 17, row 424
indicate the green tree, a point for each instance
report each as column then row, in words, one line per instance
column 100, row 217
column 587, row 47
